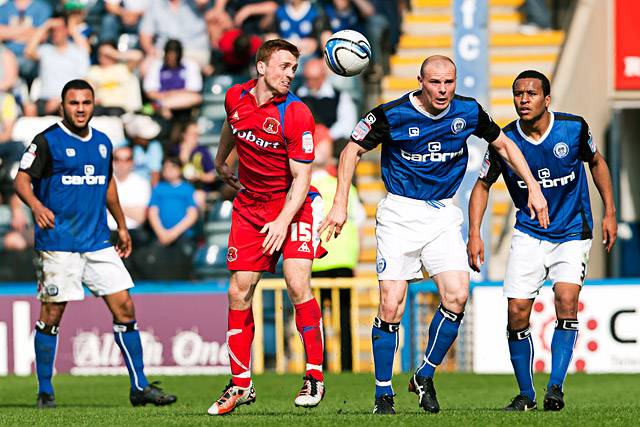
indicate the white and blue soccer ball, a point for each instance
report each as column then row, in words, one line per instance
column 347, row 53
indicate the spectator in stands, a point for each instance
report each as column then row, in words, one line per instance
column 172, row 209
column 179, row 20
column 117, row 89
column 299, row 22
column 61, row 60
column 122, row 16
column 147, row 151
column 347, row 15
column 20, row 234
column 134, row 191
column 10, row 150
column 330, row 107
column 251, row 16
column 18, row 22
column 236, row 52
column 536, row 16
column 383, row 30
column 8, row 69
column 173, row 83
column 197, row 163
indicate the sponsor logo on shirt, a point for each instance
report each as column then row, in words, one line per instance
column 70, row 152
column 414, row 131
column 87, row 179
column 27, row 160
column 307, row 142
column 458, row 124
column 249, row 136
column 361, row 130
column 434, row 154
column 271, row 125
column 592, row 144
column 547, row 182
column 486, row 165
column 560, row 150
column 370, row 118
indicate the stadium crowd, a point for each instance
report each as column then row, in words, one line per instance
column 160, row 69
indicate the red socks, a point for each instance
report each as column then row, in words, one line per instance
column 239, row 339
column 309, row 325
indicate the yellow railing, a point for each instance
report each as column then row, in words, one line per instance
column 364, row 296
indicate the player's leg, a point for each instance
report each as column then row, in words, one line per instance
column 562, row 343
column 385, row 337
column 567, row 264
column 524, row 276
column 521, row 352
column 308, row 318
column 45, row 343
column 59, row 281
column 240, row 331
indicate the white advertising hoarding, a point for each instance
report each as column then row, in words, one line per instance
column 608, row 339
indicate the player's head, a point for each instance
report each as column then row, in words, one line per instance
column 77, row 104
column 438, row 83
column 172, row 53
column 531, row 95
column 122, row 161
column 171, row 169
column 315, row 73
column 276, row 63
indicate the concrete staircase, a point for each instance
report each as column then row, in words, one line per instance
column 427, row 30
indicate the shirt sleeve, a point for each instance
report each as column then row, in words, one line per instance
column 36, row 160
column 372, row 129
column 299, row 129
column 491, row 166
column 151, row 82
column 154, row 199
column 231, row 98
column 486, row 128
column 193, row 78
column 587, row 149
column 154, row 158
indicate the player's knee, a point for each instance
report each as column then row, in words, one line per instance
column 566, row 306
column 239, row 296
column 518, row 316
column 390, row 309
column 455, row 301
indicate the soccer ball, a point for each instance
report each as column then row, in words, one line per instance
column 347, row 53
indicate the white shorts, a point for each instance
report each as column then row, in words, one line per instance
column 412, row 234
column 532, row 260
column 61, row 274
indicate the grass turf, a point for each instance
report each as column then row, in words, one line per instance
column 465, row 399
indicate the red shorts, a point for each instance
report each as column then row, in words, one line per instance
column 252, row 211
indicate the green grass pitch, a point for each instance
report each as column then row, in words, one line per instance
column 466, row 399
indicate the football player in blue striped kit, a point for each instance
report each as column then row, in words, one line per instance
column 424, row 157
column 555, row 146
column 69, row 166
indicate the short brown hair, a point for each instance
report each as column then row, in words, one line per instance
column 268, row 47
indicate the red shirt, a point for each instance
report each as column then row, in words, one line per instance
column 267, row 136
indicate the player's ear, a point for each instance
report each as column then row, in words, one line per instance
column 547, row 101
column 261, row 67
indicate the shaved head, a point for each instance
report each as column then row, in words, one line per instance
column 437, row 61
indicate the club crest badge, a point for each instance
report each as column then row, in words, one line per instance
column 232, row 254
column 102, row 149
column 271, row 125
column 560, row 150
column 458, row 125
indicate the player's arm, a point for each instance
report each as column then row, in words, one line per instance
column 509, row 151
column 42, row 215
column 224, row 150
column 602, row 179
column 277, row 229
column 478, row 200
column 123, row 247
column 35, row 163
column 368, row 134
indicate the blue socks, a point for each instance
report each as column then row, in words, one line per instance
column 45, row 343
column 521, row 350
column 128, row 339
column 384, row 339
column 564, row 339
column 442, row 333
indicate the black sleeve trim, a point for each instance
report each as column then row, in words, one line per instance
column 486, row 128
column 584, row 150
column 41, row 166
column 491, row 166
column 372, row 130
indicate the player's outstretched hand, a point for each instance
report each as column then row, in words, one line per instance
column 538, row 207
column 123, row 247
column 609, row 231
column 475, row 251
column 276, row 233
column 228, row 177
column 334, row 221
column 44, row 217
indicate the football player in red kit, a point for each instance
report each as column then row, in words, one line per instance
column 275, row 212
